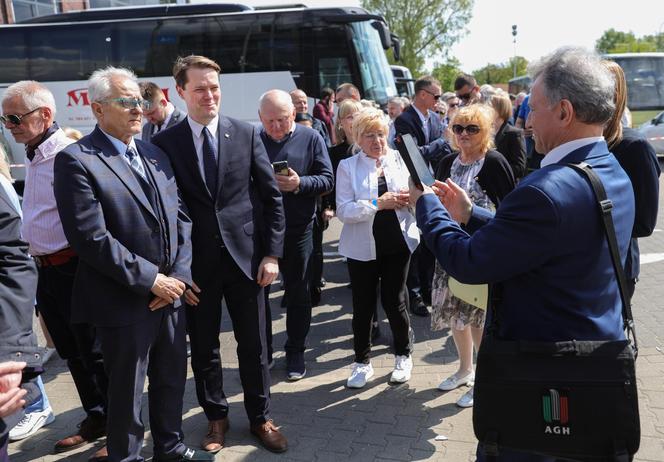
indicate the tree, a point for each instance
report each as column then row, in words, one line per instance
column 447, row 73
column 500, row 73
column 427, row 28
column 613, row 41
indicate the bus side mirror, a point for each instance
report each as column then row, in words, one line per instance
column 384, row 34
column 396, row 47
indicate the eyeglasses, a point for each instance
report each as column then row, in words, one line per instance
column 16, row 119
column 435, row 96
column 466, row 96
column 470, row 129
column 452, row 105
column 130, row 103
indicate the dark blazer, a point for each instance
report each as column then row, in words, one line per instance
column 18, row 284
column 511, row 144
column 546, row 247
column 409, row 122
column 247, row 208
column 148, row 128
column 637, row 157
column 495, row 176
column 109, row 222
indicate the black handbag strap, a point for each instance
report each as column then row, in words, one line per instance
column 605, row 206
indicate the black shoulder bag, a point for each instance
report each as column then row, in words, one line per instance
column 572, row 400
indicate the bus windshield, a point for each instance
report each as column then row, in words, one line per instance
column 377, row 80
column 645, row 80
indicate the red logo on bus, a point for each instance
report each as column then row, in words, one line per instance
column 78, row 97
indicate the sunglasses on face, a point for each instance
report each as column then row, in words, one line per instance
column 453, row 105
column 465, row 97
column 435, row 96
column 470, row 129
column 131, row 103
column 16, row 119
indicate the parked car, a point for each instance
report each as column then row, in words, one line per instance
column 653, row 130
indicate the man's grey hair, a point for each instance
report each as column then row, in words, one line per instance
column 32, row 93
column 577, row 75
column 100, row 82
column 277, row 98
column 400, row 100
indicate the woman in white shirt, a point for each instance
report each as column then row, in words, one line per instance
column 378, row 237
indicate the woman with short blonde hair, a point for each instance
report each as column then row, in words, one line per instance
column 378, row 236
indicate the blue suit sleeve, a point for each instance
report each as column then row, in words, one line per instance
column 509, row 244
column 320, row 178
column 85, row 228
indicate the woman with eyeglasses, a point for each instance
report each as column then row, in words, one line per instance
column 487, row 177
column 378, row 237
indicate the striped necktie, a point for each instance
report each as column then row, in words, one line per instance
column 135, row 162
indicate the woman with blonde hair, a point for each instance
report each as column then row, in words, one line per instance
column 487, row 177
column 379, row 234
column 638, row 159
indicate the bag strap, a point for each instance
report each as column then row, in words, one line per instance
column 605, row 206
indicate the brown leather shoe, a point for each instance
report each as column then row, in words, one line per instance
column 91, row 429
column 216, row 435
column 270, row 436
column 100, row 455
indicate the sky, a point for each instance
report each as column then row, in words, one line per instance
column 543, row 25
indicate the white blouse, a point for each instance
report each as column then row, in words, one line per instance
column 357, row 188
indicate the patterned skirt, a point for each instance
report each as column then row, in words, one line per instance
column 449, row 311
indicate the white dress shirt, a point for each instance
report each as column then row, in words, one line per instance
column 559, row 152
column 170, row 109
column 41, row 227
column 197, row 132
column 425, row 122
column 357, row 187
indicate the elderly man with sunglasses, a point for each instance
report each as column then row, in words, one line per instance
column 28, row 113
column 119, row 205
column 421, row 121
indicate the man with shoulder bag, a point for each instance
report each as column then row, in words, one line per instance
column 555, row 374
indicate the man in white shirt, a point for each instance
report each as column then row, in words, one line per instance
column 28, row 113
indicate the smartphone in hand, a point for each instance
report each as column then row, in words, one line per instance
column 280, row 168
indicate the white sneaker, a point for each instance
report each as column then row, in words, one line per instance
column 467, row 399
column 359, row 375
column 31, row 423
column 454, row 381
column 403, row 366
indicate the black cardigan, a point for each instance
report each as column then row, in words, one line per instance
column 495, row 176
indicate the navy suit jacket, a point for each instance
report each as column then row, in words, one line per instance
column 409, row 122
column 110, row 224
column 247, row 210
column 546, row 247
column 148, row 128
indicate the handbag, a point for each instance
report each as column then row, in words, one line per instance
column 571, row 400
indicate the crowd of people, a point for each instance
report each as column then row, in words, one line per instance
column 130, row 237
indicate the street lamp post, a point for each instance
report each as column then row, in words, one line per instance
column 514, row 43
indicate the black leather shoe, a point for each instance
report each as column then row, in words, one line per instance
column 418, row 308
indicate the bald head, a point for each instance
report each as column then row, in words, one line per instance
column 277, row 113
column 300, row 101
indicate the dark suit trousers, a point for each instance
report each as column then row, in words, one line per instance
column 295, row 268
column 420, row 273
column 156, row 348
column 244, row 299
column 76, row 343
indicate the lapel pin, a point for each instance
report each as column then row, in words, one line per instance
column 226, row 135
column 154, row 161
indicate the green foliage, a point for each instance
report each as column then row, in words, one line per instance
column 446, row 73
column 427, row 28
column 613, row 41
column 500, row 73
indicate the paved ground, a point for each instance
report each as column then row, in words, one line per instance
column 324, row 421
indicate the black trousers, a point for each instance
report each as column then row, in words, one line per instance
column 320, row 225
column 78, row 344
column 420, row 273
column 296, row 271
column 390, row 271
column 245, row 301
column 153, row 348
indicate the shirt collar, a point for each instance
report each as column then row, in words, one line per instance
column 170, row 109
column 197, row 129
column 423, row 118
column 47, row 134
column 285, row 138
column 560, row 152
column 119, row 145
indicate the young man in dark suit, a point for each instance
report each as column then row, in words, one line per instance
column 118, row 202
column 161, row 114
column 228, row 186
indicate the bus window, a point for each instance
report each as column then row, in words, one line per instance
column 13, row 59
column 377, row 79
column 68, row 53
column 131, row 46
column 332, row 72
column 332, row 56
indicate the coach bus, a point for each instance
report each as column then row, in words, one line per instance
column 257, row 49
column 644, row 73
